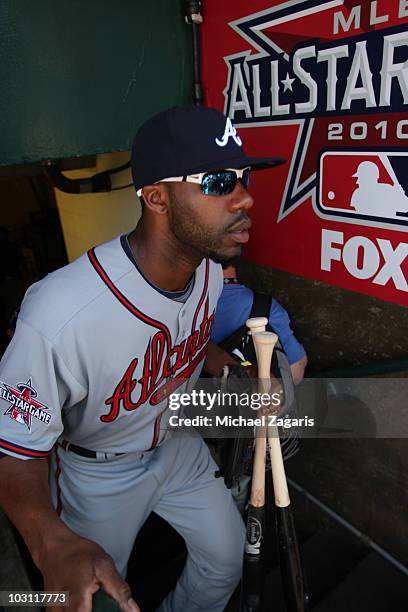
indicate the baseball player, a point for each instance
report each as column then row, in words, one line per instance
column 99, row 345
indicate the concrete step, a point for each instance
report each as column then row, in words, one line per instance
column 327, row 559
column 374, row 585
column 13, row 572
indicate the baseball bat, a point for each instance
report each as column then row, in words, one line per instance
column 255, row 325
column 253, row 573
column 288, row 546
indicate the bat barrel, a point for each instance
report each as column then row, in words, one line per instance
column 290, row 561
column 280, row 485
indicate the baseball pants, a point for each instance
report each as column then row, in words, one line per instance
column 108, row 501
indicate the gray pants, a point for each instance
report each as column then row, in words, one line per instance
column 108, row 501
column 240, row 492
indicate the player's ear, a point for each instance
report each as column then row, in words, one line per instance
column 156, row 198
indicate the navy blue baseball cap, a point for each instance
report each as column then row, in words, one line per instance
column 186, row 140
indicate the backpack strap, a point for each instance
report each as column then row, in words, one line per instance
column 261, row 306
column 241, row 339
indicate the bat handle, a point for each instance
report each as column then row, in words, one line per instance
column 256, row 324
column 257, row 497
column 264, row 343
column 280, row 485
column 258, row 474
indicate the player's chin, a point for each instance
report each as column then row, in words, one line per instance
column 227, row 255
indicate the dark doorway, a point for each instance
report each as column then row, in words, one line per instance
column 31, row 240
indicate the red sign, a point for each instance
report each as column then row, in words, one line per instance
column 325, row 85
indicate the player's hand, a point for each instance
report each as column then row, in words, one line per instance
column 82, row 567
column 215, row 360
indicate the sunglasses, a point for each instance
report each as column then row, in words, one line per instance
column 215, row 183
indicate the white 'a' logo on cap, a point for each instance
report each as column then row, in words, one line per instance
column 229, row 132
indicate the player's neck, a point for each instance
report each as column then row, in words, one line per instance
column 159, row 261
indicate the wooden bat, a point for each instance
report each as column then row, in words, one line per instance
column 253, row 573
column 288, row 547
column 255, row 325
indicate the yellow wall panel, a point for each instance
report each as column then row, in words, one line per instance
column 90, row 219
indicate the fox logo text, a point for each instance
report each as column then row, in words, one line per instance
column 365, row 259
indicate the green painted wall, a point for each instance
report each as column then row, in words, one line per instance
column 78, row 77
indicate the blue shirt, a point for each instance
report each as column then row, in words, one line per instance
column 234, row 308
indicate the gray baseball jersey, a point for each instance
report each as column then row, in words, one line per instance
column 97, row 350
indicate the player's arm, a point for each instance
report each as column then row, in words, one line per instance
column 295, row 352
column 216, row 359
column 298, row 369
column 66, row 561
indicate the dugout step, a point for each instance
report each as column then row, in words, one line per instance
column 327, row 559
column 374, row 585
column 14, row 575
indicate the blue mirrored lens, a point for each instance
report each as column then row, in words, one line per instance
column 219, row 183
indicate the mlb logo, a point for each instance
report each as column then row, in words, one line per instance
column 364, row 185
column 16, row 415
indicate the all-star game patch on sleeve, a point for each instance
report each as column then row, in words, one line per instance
column 35, row 385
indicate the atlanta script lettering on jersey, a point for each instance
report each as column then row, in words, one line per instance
column 158, row 368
